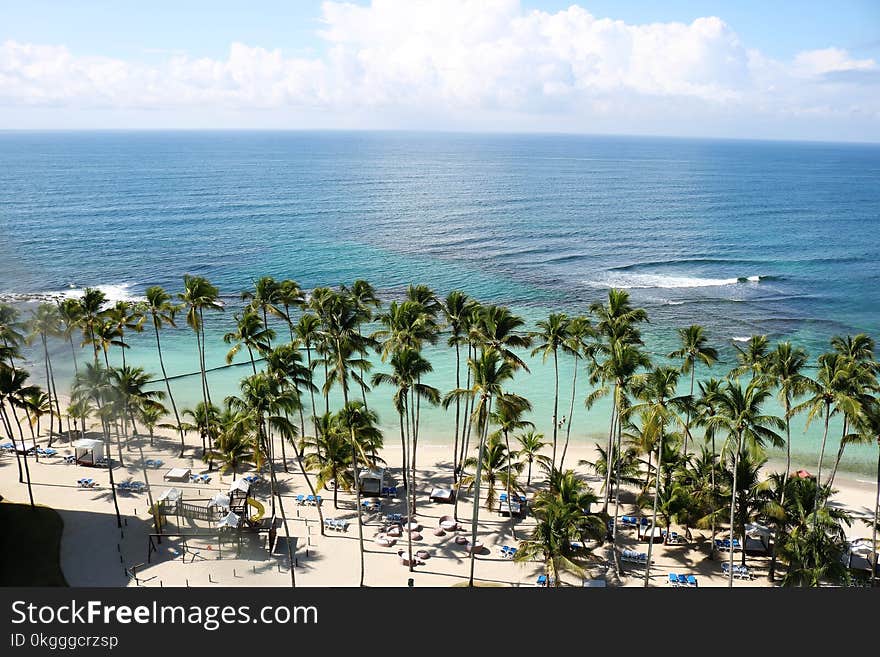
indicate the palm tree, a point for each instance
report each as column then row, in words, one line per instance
column 92, row 307
column 36, row 405
column 497, row 327
column 552, row 336
column 530, row 445
column 869, row 427
column 656, row 389
column 93, row 385
column 753, row 357
column 830, row 393
column 490, row 372
column 162, row 312
column 129, row 385
column 234, row 446
column 289, row 294
column 364, row 296
column 70, row 312
column 618, row 319
column 307, row 333
column 250, row 333
column 739, row 413
column 198, row 294
column 11, row 331
column 579, row 332
column 80, row 409
column 264, row 299
column 497, row 467
column 204, row 418
column 328, row 455
column 45, row 323
column 123, row 316
column 107, row 334
column 13, row 391
column 457, row 307
column 785, row 367
column 694, row 348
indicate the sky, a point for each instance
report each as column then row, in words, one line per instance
column 744, row 69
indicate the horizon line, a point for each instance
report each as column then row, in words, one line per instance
column 441, row 131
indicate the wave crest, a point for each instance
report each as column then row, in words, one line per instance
column 663, row 281
column 113, row 293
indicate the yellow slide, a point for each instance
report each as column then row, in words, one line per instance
column 261, row 510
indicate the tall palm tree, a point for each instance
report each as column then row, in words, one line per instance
column 289, row 294
column 739, row 413
column 694, row 348
column 830, row 393
column 265, row 300
column 129, row 386
column 45, row 323
column 328, row 455
column 92, row 308
column 580, row 344
column 93, row 385
column 752, row 357
column 307, row 333
column 457, row 307
column 364, row 296
column 197, row 296
column 497, row 467
column 124, row 316
column 250, row 333
column 234, row 446
column 552, row 336
column 656, row 390
column 70, row 311
column 13, row 390
column 785, row 367
column 162, row 312
column 491, row 370
column 618, row 320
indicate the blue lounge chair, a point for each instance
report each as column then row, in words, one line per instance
column 392, row 490
column 541, row 581
column 682, row 580
column 503, row 497
column 300, row 500
column 673, row 579
column 691, row 581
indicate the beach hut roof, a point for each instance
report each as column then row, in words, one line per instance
column 754, row 530
column 220, row 500
column 230, row 520
column 372, row 473
column 239, row 484
column 88, row 443
column 170, row 494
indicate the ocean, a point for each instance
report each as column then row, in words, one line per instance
column 742, row 237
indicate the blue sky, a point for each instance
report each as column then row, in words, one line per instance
column 786, row 69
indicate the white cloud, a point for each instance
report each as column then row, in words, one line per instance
column 472, row 61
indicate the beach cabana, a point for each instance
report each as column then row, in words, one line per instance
column 757, row 538
column 443, row 495
column 372, row 481
column 177, row 474
column 88, row 451
column 859, row 554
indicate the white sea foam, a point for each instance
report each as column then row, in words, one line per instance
column 649, row 281
column 738, row 338
column 113, row 293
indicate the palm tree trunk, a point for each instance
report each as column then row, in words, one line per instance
column 617, row 461
column 874, row 573
column 839, row 455
column 312, row 390
column 7, row 425
column 555, row 403
column 656, row 499
column 733, row 512
column 409, row 492
column 354, row 460
column 204, row 389
column 609, row 454
column 714, row 499
column 457, row 412
column 168, row 387
column 277, row 493
column 574, row 379
column 105, row 430
column 822, row 451
column 48, row 386
column 476, row 514
column 510, row 512
column 404, row 460
column 687, row 425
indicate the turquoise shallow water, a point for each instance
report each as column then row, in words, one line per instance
column 742, row 237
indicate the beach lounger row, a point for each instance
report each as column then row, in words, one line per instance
column 516, row 498
column 685, row 581
column 308, row 500
column 634, row 521
column 70, row 459
column 335, row 524
column 739, row 572
column 371, row 506
column 252, row 479
column 86, row 483
column 200, row 479
column 153, row 463
column 389, row 491
column 724, row 544
column 47, row 451
column 134, row 486
column 632, row 556
column 508, row 552
column 394, row 518
column 7, row 447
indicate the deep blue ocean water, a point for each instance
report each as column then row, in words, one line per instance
column 742, row 237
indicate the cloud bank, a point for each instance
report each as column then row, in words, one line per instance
column 472, row 64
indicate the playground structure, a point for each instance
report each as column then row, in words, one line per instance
column 229, row 516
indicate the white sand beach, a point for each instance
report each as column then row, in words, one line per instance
column 95, row 553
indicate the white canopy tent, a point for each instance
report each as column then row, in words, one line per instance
column 230, row 520
column 239, row 484
column 88, row 450
column 220, row 500
column 372, row 481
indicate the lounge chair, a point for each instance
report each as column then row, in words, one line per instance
column 672, row 579
column 691, row 581
column 300, row 500
column 541, row 581
column 682, row 580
